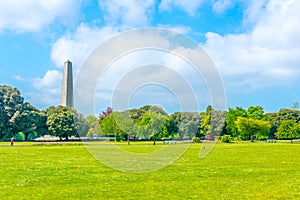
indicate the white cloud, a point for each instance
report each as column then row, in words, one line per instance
column 129, row 13
column 78, row 46
column 46, row 90
column 268, row 55
column 189, row 6
column 33, row 15
column 254, row 11
column 221, row 5
column 52, row 79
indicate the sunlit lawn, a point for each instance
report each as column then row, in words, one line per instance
column 230, row 171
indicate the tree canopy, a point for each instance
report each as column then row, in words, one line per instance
column 146, row 122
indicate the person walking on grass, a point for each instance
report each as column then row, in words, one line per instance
column 12, row 141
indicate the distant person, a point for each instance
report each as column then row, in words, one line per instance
column 12, row 141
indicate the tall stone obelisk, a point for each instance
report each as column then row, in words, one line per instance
column 67, row 86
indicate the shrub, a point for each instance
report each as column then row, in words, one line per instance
column 225, row 138
column 196, row 139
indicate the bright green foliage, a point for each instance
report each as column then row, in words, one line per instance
column 196, row 139
column 256, row 112
column 125, row 123
column 205, row 128
column 108, row 125
column 137, row 113
column 225, row 138
column 251, row 127
column 65, row 122
column 288, row 129
column 253, row 112
column 154, row 125
column 282, row 115
column 231, row 117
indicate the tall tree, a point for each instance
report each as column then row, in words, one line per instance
column 251, row 127
column 65, row 122
column 288, row 129
column 29, row 120
column 231, row 117
column 205, row 127
column 125, row 126
column 189, row 125
column 11, row 103
column 172, row 126
column 154, row 124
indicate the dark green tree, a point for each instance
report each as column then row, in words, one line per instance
column 11, row 103
column 288, row 129
column 65, row 122
column 30, row 121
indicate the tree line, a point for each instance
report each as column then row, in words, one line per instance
column 23, row 121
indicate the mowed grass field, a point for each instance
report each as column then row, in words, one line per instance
column 230, row 171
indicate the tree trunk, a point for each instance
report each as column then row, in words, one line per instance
column 251, row 136
column 153, row 141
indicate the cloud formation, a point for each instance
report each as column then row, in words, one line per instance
column 189, row 6
column 268, row 55
column 265, row 55
column 47, row 89
column 76, row 47
column 33, row 15
column 127, row 14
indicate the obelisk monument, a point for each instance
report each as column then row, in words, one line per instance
column 67, row 86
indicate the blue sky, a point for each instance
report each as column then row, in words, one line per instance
column 255, row 45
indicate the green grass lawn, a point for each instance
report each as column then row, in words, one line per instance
column 230, row 171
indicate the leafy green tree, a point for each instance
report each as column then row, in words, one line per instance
column 231, row 117
column 255, row 112
column 65, row 122
column 91, row 121
column 174, row 123
column 125, row 127
column 289, row 114
column 11, row 103
column 29, row 121
column 251, row 127
column 217, row 123
column 189, row 125
column 109, row 126
column 154, row 125
column 288, row 129
column 282, row 115
column 205, row 128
